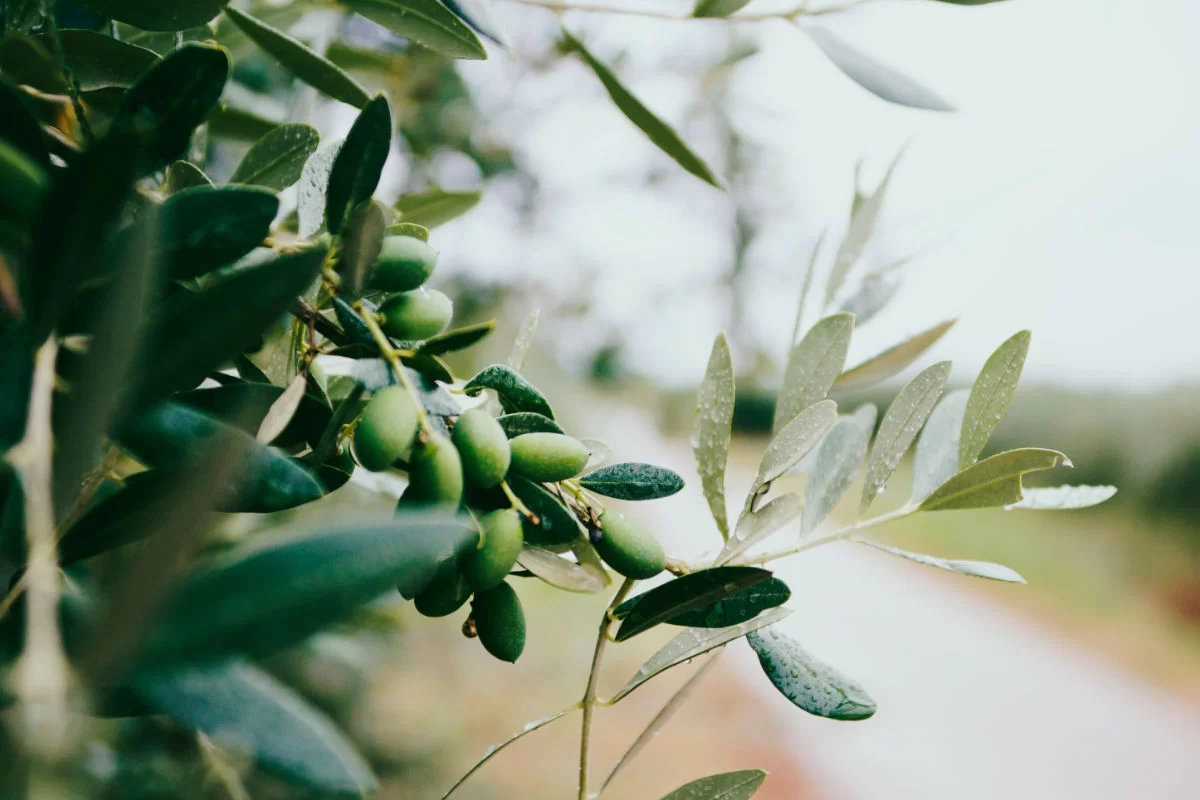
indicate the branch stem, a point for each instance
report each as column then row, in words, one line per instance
column 838, row 536
column 593, row 684
column 393, row 359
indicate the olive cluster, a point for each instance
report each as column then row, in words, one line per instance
column 410, row 311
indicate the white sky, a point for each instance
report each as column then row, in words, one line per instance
column 1060, row 197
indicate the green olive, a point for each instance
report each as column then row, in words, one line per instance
column 435, row 475
column 386, row 429
column 629, row 548
column 548, row 457
column 415, row 315
column 500, row 622
column 445, row 594
column 405, row 262
column 502, row 541
column 23, row 184
column 483, row 446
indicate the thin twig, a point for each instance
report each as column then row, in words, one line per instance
column 393, row 358
column 838, row 536
column 589, row 694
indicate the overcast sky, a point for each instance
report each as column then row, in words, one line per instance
column 1060, row 197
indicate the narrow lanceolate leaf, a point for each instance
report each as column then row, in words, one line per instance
column 426, row 22
column 991, row 395
column 527, row 422
column 936, row 460
column 310, row 191
column 359, row 163
column 976, row 569
column 809, row 683
column 737, row 608
column 892, row 361
column 435, row 207
column 863, row 219
column 872, row 296
column 480, row 15
column 184, row 175
column 171, row 99
column 362, row 242
column 524, row 340
column 458, row 339
column 837, row 462
column 246, row 709
column 281, row 591
column 562, row 573
column 718, row 8
column 726, row 786
column 813, row 366
column 756, row 526
column 157, row 16
column 663, row 136
column 633, row 481
column 277, row 160
column 712, row 429
column 694, row 642
column 993, row 482
column 795, row 440
column 529, row 727
column 516, row 393
column 687, row 593
column 212, row 226
column 281, row 412
column 1063, row 498
column 878, row 79
column 900, row 426
column 97, row 61
column 555, row 526
column 301, row 61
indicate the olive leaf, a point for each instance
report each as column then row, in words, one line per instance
column 690, row 592
column 426, row 22
column 211, row 226
column 171, row 16
column 633, row 481
column 247, row 404
column 736, row 608
column 712, row 429
column 738, row 785
column 936, row 459
column 527, row 422
column 245, row 707
column 901, row 424
column 301, row 61
column 555, row 525
column 458, row 339
column 863, row 219
column 1062, row 498
column 562, row 573
column 873, row 294
column 718, row 8
column 436, row 207
column 311, row 190
column 184, row 175
column 359, row 163
column 277, row 160
column 975, row 569
column 515, row 392
column 991, row 395
column 661, row 134
column 756, row 526
column 837, row 462
column 362, row 242
column 894, row 360
column 694, row 642
column 796, row 439
column 524, row 340
column 813, row 366
column 282, row 411
column 809, row 683
column 878, row 79
column 96, row 61
column 992, row 482
column 480, row 15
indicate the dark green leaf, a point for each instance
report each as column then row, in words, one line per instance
column 169, row 16
column 810, row 684
column 184, row 175
column 878, row 79
column 738, row 607
column 359, row 163
column 171, row 99
column 362, row 241
column 712, row 429
column 459, row 339
column 991, row 396
column 975, row 569
column 633, row 481
column 527, row 422
column 718, row 8
column 993, row 482
column 435, row 207
column 352, row 324
column 248, row 711
column 430, row 366
column 696, row 590
column 426, row 22
column 516, row 393
column 282, row 590
column 726, row 786
column 212, row 226
column 301, row 61
column 556, row 525
column 659, row 132
column 97, row 61
column 813, row 366
column 245, row 404
column 276, row 160
column 239, row 124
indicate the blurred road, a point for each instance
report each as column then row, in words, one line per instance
column 975, row 701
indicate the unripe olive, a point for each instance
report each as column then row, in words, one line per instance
column 483, row 446
column 386, row 429
column 503, row 539
column 629, row 548
column 500, row 622
column 434, row 475
column 548, row 457
column 405, row 262
column 445, row 594
column 414, row 315
column 23, row 185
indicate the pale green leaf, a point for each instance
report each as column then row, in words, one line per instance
column 936, row 460
column 524, row 341
column 975, row 569
column 726, row 786
column 718, row 8
column 426, row 22
column 872, row 296
column 795, row 440
column 281, row 412
column 310, row 192
column 562, row 573
column 277, row 160
column 860, row 230
column 900, row 427
column 837, row 462
column 993, row 482
column 813, row 366
column 892, row 361
column 756, row 526
column 878, row 79
column 1063, row 498
column 712, row 429
column 990, row 396
column 436, row 207
column 811, row 684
